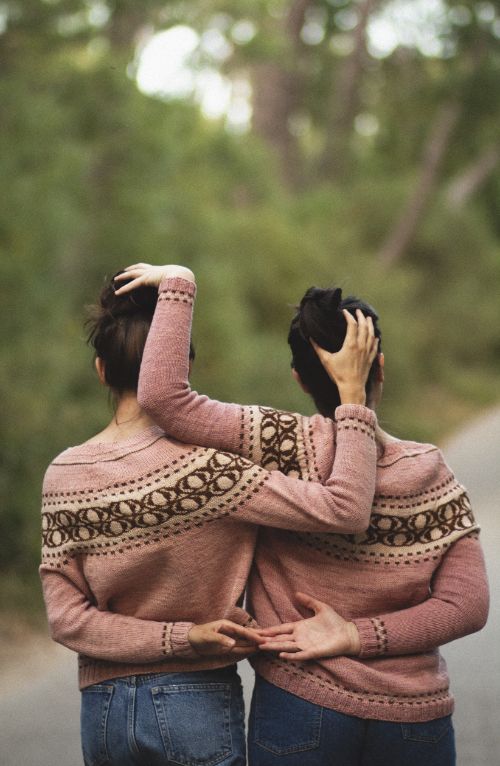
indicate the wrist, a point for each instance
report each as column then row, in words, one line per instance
column 350, row 394
column 354, row 640
column 192, row 636
column 197, row 641
column 178, row 272
column 180, row 644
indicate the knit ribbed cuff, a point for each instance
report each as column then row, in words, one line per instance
column 372, row 636
column 356, row 412
column 177, row 286
column 178, row 641
column 241, row 617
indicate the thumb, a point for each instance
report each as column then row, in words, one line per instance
column 308, row 601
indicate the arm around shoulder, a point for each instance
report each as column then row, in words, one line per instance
column 343, row 503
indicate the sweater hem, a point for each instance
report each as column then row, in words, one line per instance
column 361, row 704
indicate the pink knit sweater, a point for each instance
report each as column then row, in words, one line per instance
column 411, row 582
column 144, row 537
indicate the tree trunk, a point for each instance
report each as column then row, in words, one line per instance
column 278, row 89
column 125, row 25
column 434, row 152
column 465, row 185
column 345, row 99
column 276, row 96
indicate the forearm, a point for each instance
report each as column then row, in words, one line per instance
column 80, row 626
column 457, row 606
column 164, row 390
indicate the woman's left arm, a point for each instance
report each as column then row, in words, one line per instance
column 457, row 606
column 76, row 622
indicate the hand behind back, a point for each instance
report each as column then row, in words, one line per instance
column 326, row 634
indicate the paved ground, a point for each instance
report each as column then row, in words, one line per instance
column 474, row 662
column 39, row 701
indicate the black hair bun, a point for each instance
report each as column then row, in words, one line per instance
column 320, row 316
column 322, row 296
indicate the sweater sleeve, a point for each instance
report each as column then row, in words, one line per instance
column 77, row 624
column 457, row 606
column 291, row 443
column 164, row 390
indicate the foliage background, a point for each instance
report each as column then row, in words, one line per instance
column 375, row 172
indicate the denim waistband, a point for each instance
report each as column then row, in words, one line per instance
column 227, row 673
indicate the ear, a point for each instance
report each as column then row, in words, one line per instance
column 381, row 365
column 375, row 396
column 298, row 379
column 101, row 370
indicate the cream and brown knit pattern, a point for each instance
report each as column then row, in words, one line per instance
column 169, row 500
column 402, row 529
column 278, row 441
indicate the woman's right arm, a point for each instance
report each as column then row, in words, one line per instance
column 77, row 624
column 295, row 445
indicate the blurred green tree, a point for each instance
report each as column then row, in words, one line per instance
column 374, row 170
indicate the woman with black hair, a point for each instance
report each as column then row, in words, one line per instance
column 362, row 681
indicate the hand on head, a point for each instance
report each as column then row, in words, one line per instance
column 349, row 367
column 146, row 275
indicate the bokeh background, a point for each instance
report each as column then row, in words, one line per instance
column 269, row 145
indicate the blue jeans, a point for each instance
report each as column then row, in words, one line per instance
column 286, row 730
column 186, row 719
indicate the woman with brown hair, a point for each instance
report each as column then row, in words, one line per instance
column 148, row 544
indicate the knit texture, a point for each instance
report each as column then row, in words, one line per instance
column 144, row 537
column 412, row 581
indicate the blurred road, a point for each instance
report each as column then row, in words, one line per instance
column 39, row 702
column 474, row 661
